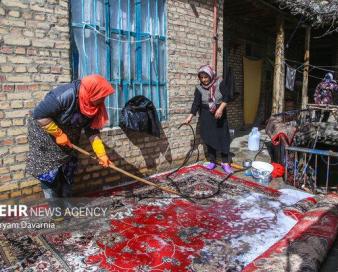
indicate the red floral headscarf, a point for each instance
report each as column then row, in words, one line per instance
column 93, row 88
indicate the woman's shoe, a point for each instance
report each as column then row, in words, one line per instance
column 227, row 168
column 211, row 166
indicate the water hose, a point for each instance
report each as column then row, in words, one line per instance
column 187, row 157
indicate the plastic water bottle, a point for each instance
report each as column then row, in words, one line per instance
column 254, row 138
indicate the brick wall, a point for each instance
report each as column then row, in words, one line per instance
column 35, row 56
column 239, row 36
column 262, row 43
column 235, row 61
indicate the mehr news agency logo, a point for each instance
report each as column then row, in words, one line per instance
column 23, row 211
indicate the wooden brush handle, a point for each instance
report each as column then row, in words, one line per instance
column 112, row 166
column 237, row 166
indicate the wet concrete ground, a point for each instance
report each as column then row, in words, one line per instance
column 240, row 152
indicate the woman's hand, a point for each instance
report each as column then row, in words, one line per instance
column 63, row 140
column 220, row 110
column 188, row 120
column 100, row 150
column 52, row 128
column 219, row 113
column 105, row 161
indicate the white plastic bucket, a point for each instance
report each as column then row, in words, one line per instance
column 261, row 170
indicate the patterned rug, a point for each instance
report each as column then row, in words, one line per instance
column 238, row 225
column 306, row 245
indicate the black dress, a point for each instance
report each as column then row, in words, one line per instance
column 214, row 132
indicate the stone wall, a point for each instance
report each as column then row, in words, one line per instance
column 35, row 56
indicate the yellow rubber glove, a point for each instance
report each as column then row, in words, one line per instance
column 100, row 152
column 60, row 137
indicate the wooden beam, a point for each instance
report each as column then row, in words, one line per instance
column 306, row 67
column 278, row 80
column 285, row 15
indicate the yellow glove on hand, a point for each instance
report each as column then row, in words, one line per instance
column 100, row 152
column 60, row 137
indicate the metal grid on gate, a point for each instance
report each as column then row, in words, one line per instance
column 302, row 168
column 125, row 41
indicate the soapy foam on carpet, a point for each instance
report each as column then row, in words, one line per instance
column 154, row 232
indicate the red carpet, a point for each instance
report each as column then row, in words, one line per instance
column 243, row 226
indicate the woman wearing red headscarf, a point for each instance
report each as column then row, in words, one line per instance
column 210, row 100
column 57, row 123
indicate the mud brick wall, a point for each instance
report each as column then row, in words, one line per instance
column 35, row 57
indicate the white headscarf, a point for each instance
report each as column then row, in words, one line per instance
column 328, row 78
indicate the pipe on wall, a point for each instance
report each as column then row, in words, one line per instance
column 215, row 36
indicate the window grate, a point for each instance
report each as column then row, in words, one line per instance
column 125, row 41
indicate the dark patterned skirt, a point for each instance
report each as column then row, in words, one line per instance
column 45, row 158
